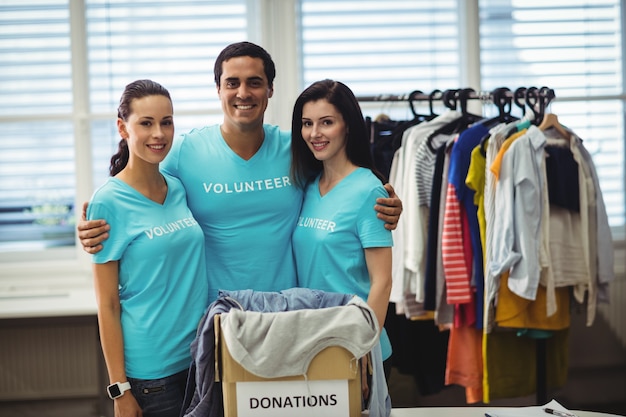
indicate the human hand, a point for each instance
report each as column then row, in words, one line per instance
column 127, row 406
column 91, row 233
column 389, row 209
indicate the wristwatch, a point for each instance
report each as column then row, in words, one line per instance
column 117, row 389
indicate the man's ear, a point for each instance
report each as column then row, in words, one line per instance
column 271, row 92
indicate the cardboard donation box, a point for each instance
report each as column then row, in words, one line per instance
column 331, row 387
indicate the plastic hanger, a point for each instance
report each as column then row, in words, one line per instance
column 452, row 98
column 412, row 97
column 449, row 98
column 549, row 120
column 503, row 99
column 417, row 116
column 436, row 93
column 464, row 95
column 519, row 94
column 534, row 103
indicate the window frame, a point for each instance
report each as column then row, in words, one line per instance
column 284, row 43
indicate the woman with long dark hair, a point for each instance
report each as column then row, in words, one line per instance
column 339, row 243
column 150, row 276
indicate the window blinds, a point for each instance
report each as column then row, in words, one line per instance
column 575, row 48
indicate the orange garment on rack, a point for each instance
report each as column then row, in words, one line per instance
column 464, row 365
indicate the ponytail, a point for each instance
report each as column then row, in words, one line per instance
column 120, row 159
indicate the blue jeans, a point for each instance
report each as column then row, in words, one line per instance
column 161, row 397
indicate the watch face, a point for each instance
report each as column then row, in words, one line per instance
column 114, row 391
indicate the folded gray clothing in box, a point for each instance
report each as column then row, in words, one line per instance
column 277, row 344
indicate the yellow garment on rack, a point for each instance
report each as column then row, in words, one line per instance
column 516, row 312
column 428, row 315
column 512, row 363
column 475, row 180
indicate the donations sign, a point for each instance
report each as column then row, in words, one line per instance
column 314, row 398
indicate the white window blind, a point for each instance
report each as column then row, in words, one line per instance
column 381, row 47
column 36, row 147
column 172, row 42
column 395, row 47
column 391, row 47
column 573, row 47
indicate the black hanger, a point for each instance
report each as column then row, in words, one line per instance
column 449, row 98
column 398, row 131
column 452, row 99
column 417, row 117
column 534, row 102
column 519, row 94
column 412, row 96
column 550, row 120
column 503, row 100
column 460, row 98
column 547, row 95
column 464, row 96
column 502, row 97
column 436, row 93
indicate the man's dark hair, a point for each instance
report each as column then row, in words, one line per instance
column 245, row 49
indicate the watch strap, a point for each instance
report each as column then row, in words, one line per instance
column 117, row 389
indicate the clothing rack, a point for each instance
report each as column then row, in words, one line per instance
column 464, row 93
column 534, row 98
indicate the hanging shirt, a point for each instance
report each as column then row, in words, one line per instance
column 600, row 245
column 517, row 229
column 409, row 242
column 459, row 166
column 498, row 136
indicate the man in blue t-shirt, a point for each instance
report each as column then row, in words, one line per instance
column 237, row 180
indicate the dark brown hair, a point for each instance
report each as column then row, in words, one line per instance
column 250, row 49
column 135, row 90
column 303, row 164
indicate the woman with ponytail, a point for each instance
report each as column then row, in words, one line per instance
column 150, row 276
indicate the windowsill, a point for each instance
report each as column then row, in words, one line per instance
column 59, row 283
column 47, row 303
column 47, row 286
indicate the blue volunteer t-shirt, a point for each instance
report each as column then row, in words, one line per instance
column 162, row 283
column 332, row 232
column 246, row 208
